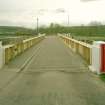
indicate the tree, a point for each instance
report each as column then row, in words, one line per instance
column 95, row 23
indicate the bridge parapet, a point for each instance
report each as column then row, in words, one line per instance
column 79, row 47
column 9, row 52
column 93, row 54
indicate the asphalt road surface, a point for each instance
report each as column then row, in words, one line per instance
column 53, row 76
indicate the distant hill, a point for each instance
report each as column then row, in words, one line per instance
column 14, row 30
column 75, row 30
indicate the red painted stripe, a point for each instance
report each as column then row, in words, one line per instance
column 102, row 57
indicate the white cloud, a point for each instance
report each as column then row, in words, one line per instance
column 25, row 12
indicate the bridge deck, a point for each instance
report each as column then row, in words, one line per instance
column 53, row 75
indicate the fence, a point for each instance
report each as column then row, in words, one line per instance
column 79, row 47
column 11, row 51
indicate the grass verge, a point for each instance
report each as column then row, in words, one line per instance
column 102, row 77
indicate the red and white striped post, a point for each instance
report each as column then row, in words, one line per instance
column 98, row 57
column 102, row 69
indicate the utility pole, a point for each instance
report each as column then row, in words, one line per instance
column 37, row 26
column 68, row 21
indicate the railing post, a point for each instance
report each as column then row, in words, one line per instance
column 2, row 56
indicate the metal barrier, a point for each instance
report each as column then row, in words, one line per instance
column 12, row 51
column 79, row 47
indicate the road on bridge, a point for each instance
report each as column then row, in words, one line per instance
column 53, row 76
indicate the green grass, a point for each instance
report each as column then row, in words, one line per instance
column 83, row 33
column 12, row 34
column 14, row 31
column 102, row 77
column 89, row 39
column 75, row 30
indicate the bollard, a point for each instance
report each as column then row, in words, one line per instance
column 102, row 58
column 1, row 55
column 98, row 57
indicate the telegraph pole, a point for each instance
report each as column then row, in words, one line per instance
column 37, row 25
column 68, row 20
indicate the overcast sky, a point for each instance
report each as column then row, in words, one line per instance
column 25, row 12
